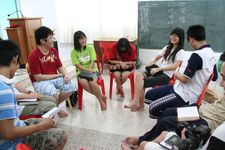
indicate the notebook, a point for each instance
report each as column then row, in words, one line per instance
column 187, row 113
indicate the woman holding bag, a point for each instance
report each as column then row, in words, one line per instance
column 83, row 56
column 172, row 57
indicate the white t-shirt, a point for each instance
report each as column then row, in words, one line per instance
column 179, row 56
column 199, row 68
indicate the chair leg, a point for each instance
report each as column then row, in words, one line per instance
column 69, row 103
column 103, row 63
column 131, row 77
column 111, row 86
column 103, row 87
column 80, row 96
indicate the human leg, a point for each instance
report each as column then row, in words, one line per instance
column 164, row 124
column 157, row 107
column 117, row 76
column 45, row 104
column 138, row 92
column 85, row 84
column 97, row 92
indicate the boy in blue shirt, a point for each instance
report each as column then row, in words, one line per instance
column 36, row 133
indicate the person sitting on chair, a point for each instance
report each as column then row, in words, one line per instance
column 172, row 57
column 122, row 61
column 83, row 56
column 46, row 70
column 191, row 81
column 36, row 133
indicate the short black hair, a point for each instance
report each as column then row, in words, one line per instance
column 76, row 37
column 8, row 50
column 222, row 57
column 42, row 33
column 196, row 32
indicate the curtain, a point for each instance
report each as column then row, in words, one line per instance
column 96, row 18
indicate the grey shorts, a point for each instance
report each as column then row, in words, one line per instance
column 45, row 104
column 43, row 140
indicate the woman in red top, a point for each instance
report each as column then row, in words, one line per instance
column 122, row 60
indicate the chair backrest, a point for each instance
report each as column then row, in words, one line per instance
column 201, row 96
column 105, row 49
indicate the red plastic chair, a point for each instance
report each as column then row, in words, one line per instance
column 201, row 96
column 80, row 91
column 105, row 51
column 22, row 147
column 131, row 77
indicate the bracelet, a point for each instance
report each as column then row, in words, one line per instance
column 29, row 92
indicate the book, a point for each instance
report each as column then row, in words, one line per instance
column 187, row 113
column 171, row 141
column 25, row 103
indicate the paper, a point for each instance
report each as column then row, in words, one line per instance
column 187, row 113
column 19, row 109
column 51, row 113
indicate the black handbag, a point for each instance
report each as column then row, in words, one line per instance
column 87, row 75
column 73, row 99
column 148, row 69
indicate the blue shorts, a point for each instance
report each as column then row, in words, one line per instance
column 52, row 87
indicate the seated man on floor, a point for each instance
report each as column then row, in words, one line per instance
column 46, row 70
column 36, row 133
column 191, row 81
column 211, row 115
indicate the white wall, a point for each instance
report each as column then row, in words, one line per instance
column 46, row 9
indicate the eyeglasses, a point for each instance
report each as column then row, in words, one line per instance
column 174, row 35
column 50, row 38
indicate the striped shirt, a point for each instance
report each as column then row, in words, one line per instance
column 8, row 111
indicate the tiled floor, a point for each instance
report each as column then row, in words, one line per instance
column 93, row 129
column 96, row 130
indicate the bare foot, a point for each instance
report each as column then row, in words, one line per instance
column 132, row 141
column 125, row 146
column 136, row 108
column 104, row 98
column 62, row 114
column 104, row 103
column 103, row 106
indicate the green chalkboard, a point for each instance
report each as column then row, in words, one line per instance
column 156, row 19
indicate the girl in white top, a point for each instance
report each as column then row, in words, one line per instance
column 171, row 56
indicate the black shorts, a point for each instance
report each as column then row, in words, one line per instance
column 122, row 70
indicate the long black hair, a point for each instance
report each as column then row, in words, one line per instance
column 123, row 45
column 180, row 33
column 76, row 37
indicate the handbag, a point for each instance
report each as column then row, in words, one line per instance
column 148, row 69
column 87, row 75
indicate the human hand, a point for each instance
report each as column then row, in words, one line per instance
column 183, row 136
column 66, row 79
column 123, row 65
column 154, row 70
column 46, row 123
column 35, row 95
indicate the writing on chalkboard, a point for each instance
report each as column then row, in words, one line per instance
column 156, row 19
